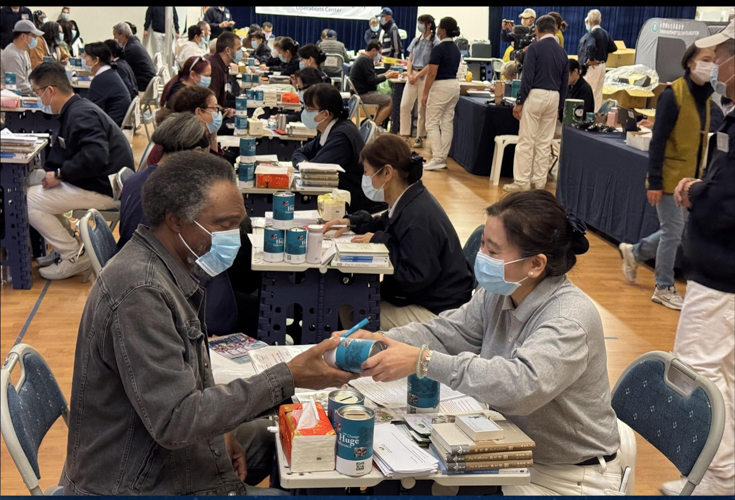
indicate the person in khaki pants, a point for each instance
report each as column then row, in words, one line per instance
column 544, row 82
column 595, row 46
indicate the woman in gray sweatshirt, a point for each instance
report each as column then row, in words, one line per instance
column 529, row 344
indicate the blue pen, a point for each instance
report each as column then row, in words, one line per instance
column 355, row 328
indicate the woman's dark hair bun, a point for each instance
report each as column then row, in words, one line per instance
column 579, row 242
column 416, row 171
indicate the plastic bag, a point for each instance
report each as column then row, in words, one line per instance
column 384, row 88
column 637, row 77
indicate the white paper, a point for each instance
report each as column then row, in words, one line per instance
column 257, row 222
column 300, row 217
column 460, row 405
column 419, row 423
column 308, row 166
column 269, row 357
column 309, row 415
column 330, row 252
column 397, row 455
column 273, row 158
column 257, row 240
column 394, row 394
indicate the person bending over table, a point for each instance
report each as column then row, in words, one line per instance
column 196, row 71
column 431, row 274
column 311, row 56
column 530, row 344
column 685, row 114
column 365, row 80
column 89, row 148
column 338, row 141
column 145, row 414
column 106, row 89
column 261, row 51
column 579, row 88
column 373, row 32
column 122, row 67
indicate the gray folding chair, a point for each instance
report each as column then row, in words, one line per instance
column 333, row 66
column 98, row 240
column 675, row 409
column 131, row 122
column 147, row 102
column 368, row 130
column 144, row 159
column 111, row 215
column 370, row 110
column 29, row 409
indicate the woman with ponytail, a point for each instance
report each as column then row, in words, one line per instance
column 530, row 344
column 431, row 274
column 196, row 72
column 338, row 141
column 418, row 66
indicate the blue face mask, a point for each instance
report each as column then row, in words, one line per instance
column 372, row 193
column 207, row 38
column 377, row 57
column 255, row 45
column 490, row 274
column 282, row 57
column 375, row 28
column 302, row 65
column 216, row 122
column 33, row 44
column 238, row 56
column 45, row 108
column 222, row 253
column 421, row 27
column 718, row 86
column 205, row 81
column 73, row 34
column 60, row 38
column 308, row 118
column 587, row 27
column 65, row 16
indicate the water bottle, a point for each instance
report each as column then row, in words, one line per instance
column 272, row 122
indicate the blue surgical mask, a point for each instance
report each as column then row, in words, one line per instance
column 59, row 37
column 383, row 21
column 282, row 57
column 372, row 193
column 33, row 44
column 65, row 16
column 308, row 118
column 421, row 27
column 255, row 45
column 718, row 86
column 377, row 57
column 587, row 26
column 375, row 29
column 216, row 122
column 490, row 274
column 207, row 38
column 45, row 108
column 302, row 65
column 238, row 56
column 205, row 81
column 222, row 253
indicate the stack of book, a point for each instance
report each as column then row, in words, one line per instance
column 320, row 174
column 17, row 146
column 474, row 444
column 361, row 255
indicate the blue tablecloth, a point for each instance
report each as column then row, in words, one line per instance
column 602, row 181
column 475, row 126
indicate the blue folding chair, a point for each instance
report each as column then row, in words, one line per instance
column 98, row 239
column 29, row 409
column 678, row 411
column 471, row 248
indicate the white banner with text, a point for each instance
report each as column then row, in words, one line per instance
column 361, row 13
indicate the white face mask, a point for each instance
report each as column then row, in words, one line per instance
column 701, row 72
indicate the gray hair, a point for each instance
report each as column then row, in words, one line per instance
column 509, row 70
column 594, row 16
column 374, row 20
column 180, row 132
column 123, row 29
column 181, row 185
column 546, row 24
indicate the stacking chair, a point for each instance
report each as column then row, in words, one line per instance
column 29, row 409
column 111, row 215
column 147, row 102
column 370, row 110
column 678, row 411
column 131, row 122
column 368, row 130
column 334, row 67
column 497, row 67
column 97, row 239
column 144, row 159
column 157, row 61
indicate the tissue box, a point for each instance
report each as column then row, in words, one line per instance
column 639, row 140
column 267, row 177
column 307, row 450
column 255, row 126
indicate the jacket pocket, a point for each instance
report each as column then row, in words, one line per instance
column 145, row 467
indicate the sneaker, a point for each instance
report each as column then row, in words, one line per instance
column 673, row 488
column 419, row 142
column 63, row 269
column 630, row 265
column 48, row 259
column 515, row 187
column 435, row 164
column 539, row 185
column 669, row 297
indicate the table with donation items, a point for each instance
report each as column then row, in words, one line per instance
column 602, row 181
column 412, row 435
column 476, row 123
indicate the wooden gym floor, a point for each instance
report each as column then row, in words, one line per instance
column 633, row 324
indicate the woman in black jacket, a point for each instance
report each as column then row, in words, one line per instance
column 312, row 56
column 431, row 274
column 288, row 55
column 339, row 141
column 122, row 67
column 107, row 89
column 261, row 52
column 578, row 86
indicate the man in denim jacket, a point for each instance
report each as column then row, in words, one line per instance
column 146, row 416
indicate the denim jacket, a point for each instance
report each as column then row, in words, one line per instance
column 145, row 414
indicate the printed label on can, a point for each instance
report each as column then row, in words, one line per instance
column 259, row 95
column 423, row 394
column 256, row 78
column 246, row 172
column 296, row 245
column 247, row 145
column 241, row 122
column 241, row 103
column 251, row 61
column 273, row 245
column 354, row 426
column 283, row 206
column 10, row 80
column 247, row 78
column 350, row 353
column 340, row 398
column 250, row 94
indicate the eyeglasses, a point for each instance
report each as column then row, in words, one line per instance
column 42, row 90
column 215, row 108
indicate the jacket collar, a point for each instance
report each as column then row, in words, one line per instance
column 183, row 278
column 538, row 297
column 410, row 194
column 68, row 105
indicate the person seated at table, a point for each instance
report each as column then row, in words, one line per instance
column 288, row 55
column 15, row 58
column 201, row 102
column 143, row 386
column 250, row 30
column 684, row 116
column 578, row 86
column 311, row 56
column 196, row 71
column 122, row 67
column 261, row 51
column 530, row 344
column 431, row 274
column 273, row 63
column 228, row 52
column 331, row 45
column 192, row 48
column 338, row 141
column 365, row 81
column 106, row 89
column 268, row 30
column 88, row 149
column 135, row 54
column 49, row 45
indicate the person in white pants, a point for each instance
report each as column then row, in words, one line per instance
column 544, row 82
column 441, row 93
column 418, row 67
column 595, row 46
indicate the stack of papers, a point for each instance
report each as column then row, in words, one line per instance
column 320, row 174
column 397, row 456
column 394, row 395
column 16, row 146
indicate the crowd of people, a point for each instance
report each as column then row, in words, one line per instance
column 511, row 330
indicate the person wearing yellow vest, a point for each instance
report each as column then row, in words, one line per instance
column 677, row 150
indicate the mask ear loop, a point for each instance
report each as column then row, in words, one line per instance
column 187, row 245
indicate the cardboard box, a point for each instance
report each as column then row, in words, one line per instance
column 307, row 450
column 622, row 57
column 465, row 86
column 631, row 98
column 653, row 100
column 638, row 140
column 268, row 177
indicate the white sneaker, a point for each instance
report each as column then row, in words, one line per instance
column 515, row 187
column 64, row 269
column 47, row 259
column 669, row 297
column 630, row 265
column 539, row 185
column 418, row 142
column 435, row 164
column 673, row 488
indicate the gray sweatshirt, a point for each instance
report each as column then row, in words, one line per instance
column 17, row 61
column 542, row 364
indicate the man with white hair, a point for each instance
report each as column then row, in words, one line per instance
column 135, row 55
column 594, row 48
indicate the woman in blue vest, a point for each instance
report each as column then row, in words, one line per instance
column 683, row 120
